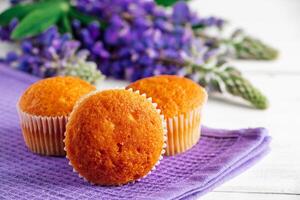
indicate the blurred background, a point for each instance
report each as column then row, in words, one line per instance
column 276, row 22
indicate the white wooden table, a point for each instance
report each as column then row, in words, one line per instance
column 277, row 176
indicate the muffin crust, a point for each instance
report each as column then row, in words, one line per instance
column 174, row 95
column 54, row 96
column 114, row 137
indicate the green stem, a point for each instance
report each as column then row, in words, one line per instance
column 245, row 46
column 233, row 83
column 239, row 86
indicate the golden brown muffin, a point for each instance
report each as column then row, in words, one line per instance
column 114, row 137
column 180, row 100
column 54, row 96
column 44, row 108
column 174, row 95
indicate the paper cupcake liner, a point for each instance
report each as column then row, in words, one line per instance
column 164, row 124
column 183, row 131
column 43, row 135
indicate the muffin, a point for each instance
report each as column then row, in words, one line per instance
column 43, row 110
column 181, row 101
column 114, row 137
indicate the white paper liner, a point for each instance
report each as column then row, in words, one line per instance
column 43, row 135
column 183, row 131
column 164, row 125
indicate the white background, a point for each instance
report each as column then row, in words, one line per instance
column 277, row 22
column 277, row 176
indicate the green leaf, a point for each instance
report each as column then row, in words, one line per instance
column 65, row 26
column 166, row 3
column 198, row 26
column 83, row 18
column 36, row 22
column 21, row 10
column 18, row 11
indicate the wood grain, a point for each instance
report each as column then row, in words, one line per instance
column 248, row 196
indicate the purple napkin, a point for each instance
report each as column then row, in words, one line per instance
column 218, row 156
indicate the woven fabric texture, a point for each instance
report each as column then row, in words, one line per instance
column 218, row 156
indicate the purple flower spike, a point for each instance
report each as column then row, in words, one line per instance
column 128, row 73
column 99, row 50
column 26, row 46
column 57, row 43
column 94, row 30
column 210, row 54
column 4, row 33
column 117, row 22
column 117, row 31
column 86, row 38
column 12, row 25
column 11, row 56
column 76, row 24
column 69, row 48
column 137, row 74
column 140, row 39
column 7, row 30
column 47, row 37
column 181, row 12
column 170, row 53
column 111, row 35
column 24, row 65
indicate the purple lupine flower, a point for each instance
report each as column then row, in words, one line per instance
column 94, row 29
column 143, row 33
column 86, row 37
column 11, row 57
column 76, row 25
column 181, row 13
column 141, row 39
column 47, row 37
column 210, row 54
column 26, row 46
column 210, row 22
column 99, row 51
column 13, row 23
column 6, row 31
column 69, row 48
column 47, row 54
column 14, row 2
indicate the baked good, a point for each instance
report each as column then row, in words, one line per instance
column 44, row 108
column 114, row 137
column 181, row 101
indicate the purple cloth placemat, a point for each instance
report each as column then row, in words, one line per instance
column 219, row 156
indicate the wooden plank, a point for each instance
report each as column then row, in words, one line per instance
column 279, row 171
column 248, row 196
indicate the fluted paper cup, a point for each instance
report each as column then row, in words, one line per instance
column 183, row 131
column 43, row 135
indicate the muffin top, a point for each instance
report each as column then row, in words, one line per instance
column 114, row 137
column 54, row 96
column 174, row 95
